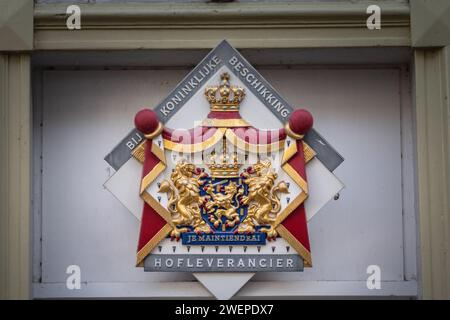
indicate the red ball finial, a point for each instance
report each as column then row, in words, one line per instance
column 300, row 121
column 146, row 121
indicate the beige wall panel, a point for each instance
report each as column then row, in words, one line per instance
column 432, row 70
column 15, row 112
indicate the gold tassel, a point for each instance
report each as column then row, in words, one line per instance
column 308, row 152
column 139, row 152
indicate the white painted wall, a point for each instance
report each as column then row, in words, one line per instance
column 357, row 109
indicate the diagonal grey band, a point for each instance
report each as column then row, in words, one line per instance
column 330, row 158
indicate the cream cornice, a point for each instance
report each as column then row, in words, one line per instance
column 198, row 14
column 203, row 25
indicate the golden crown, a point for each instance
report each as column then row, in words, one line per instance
column 225, row 166
column 224, row 97
column 224, row 169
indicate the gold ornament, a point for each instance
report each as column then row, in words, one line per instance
column 263, row 199
column 224, row 97
column 184, row 199
column 225, row 167
column 221, row 205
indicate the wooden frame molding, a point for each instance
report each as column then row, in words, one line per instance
column 203, row 25
column 432, row 92
column 15, row 176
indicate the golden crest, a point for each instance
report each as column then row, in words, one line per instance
column 263, row 199
column 257, row 194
